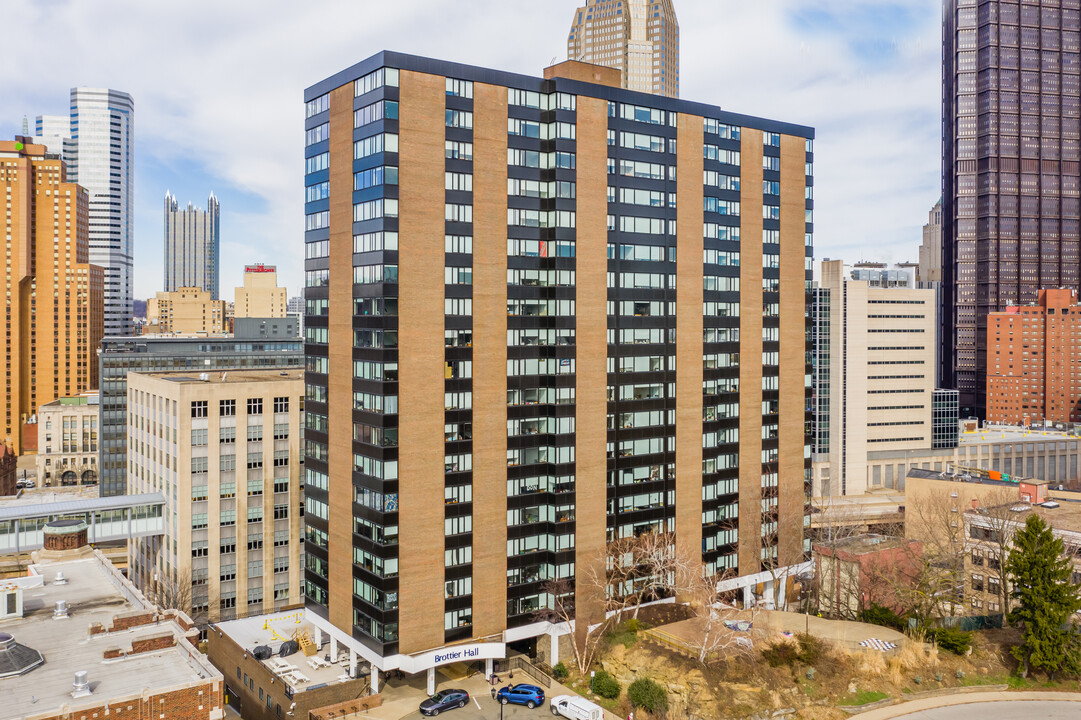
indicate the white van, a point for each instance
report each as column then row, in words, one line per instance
column 576, row 708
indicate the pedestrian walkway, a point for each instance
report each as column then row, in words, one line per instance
column 849, row 633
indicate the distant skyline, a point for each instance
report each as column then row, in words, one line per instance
column 220, row 105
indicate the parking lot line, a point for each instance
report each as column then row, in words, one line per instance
column 475, row 701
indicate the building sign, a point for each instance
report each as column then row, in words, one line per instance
column 260, row 268
column 452, row 654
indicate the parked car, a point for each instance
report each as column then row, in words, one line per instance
column 576, row 708
column 521, row 694
column 444, row 700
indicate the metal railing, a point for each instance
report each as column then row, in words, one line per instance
column 537, row 670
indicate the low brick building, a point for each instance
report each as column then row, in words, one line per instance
column 86, row 644
column 858, row 572
column 297, row 686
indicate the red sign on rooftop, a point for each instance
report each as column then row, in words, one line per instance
column 260, row 268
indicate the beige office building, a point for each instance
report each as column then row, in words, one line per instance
column 53, row 318
column 224, row 449
column 261, row 297
column 874, row 352
column 931, row 248
column 68, row 441
column 189, row 310
column 640, row 38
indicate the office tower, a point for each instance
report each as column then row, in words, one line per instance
column 260, row 296
column 192, row 240
column 874, row 357
column 1010, row 167
column 1032, row 363
column 580, row 269
column 640, row 38
column 97, row 141
column 52, row 318
column 120, row 356
column 930, row 267
column 233, row 546
column 188, row 310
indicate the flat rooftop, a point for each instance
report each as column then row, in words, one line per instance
column 1012, row 433
column 95, row 593
column 1066, row 517
column 869, row 542
column 218, row 377
column 274, row 629
column 48, row 495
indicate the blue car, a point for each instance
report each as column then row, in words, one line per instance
column 444, row 700
column 529, row 695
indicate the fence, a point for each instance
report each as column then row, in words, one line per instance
column 537, row 670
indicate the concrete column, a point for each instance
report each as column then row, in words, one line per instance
column 488, row 667
column 352, row 662
column 375, row 679
column 554, row 641
column 317, row 636
column 748, row 597
column 767, row 593
column 431, row 681
column 333, row 649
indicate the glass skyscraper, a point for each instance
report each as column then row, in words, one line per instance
column 192, row 242
column 1010, row 169
column 97, row 142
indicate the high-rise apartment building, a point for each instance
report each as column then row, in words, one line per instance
column 1032, row 365
column 97, row 141
column 53, row 317
column 640, row 38
column 121, row 356
column 610, row 289
column 224, row 449
column 1011, row 162
column 260, row 296
column 187, row 310
column 930, row 267
column 192, row 241
column 874, row 355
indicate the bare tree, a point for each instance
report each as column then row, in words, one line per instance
column 656, row 565
column 936, row 520
column 585, row 643
column 633, row 570
column 997, row 517
column 175, row 592
column 714, row 639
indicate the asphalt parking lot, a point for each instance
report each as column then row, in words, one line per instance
column 483, row 707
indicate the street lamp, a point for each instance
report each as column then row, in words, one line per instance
column 592, row 674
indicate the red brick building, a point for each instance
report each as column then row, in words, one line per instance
column 8, row 470
column 1032, row 369
column 858, row 572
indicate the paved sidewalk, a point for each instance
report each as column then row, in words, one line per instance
column 916, row 706
column 847, row 632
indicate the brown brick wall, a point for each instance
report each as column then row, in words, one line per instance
column 421, row 359
column 199, row 702
column 489, row 359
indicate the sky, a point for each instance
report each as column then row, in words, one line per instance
column 218, row 89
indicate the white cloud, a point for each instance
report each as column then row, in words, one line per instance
column 218, row 87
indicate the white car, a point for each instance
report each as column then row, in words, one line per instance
column 576, row 708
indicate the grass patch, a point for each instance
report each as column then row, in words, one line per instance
column 863, row 697
column 625, row 634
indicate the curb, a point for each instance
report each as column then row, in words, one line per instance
column 913, row 697
column 964, row 696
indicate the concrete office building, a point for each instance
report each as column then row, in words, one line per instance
column 874, row 360
column 1010, row 166
column 260, row 297
column 225, row 450
column 68, row 441
column 185, row 311
column 930, row 265
column 97, row 141
column 1032, row 362
column 192, row 242
column 580, row 268
column 53, row 312
column 120, row 356
column 640, row 38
